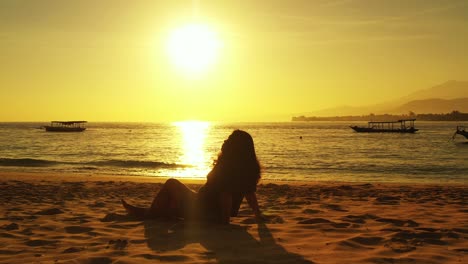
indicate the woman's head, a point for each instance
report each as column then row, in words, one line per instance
column 239, row 145
column 238, row 155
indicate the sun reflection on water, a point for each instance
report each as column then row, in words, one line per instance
column 193, row 154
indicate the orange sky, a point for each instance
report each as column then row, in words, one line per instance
column 107, row 61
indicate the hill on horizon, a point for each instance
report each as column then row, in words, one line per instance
column 433, row 106
column 442, row 98
column 448, row 90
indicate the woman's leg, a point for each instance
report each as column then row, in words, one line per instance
column 171, row 201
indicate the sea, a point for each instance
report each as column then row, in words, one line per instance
column 287, row 151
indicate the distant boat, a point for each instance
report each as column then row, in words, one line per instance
column 66, row 126
column 400, row 126
column 461, row 131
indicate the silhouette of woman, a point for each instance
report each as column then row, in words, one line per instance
column 235, row 175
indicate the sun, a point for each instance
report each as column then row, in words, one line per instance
column 193, row 48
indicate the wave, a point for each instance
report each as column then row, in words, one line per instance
column 136, row 164
column 28, row 162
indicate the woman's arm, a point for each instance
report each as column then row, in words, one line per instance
column 253, row 203
column 226, row 205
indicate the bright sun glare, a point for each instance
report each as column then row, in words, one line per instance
column 193, row 147
column 193, row 48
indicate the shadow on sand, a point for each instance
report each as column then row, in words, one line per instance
column 225, row 244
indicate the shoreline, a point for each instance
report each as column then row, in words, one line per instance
column 49, row 176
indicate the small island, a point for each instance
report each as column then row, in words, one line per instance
column 453, row 116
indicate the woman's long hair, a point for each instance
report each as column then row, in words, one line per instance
column 238, row 158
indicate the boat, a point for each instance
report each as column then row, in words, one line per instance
column 400, row 126
column 66, row 126
column 461, row 130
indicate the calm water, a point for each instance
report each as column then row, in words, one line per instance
column 327, row 151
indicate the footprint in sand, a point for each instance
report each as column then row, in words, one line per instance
column 315, row 221
column 358, row 219
column 460, row 230
column 27, row 231
column 388, row 200
column 50, row 211
column 97, row 204
column 311, row 211
column 416, row 238
column 397, row 222
column 40, row 243
column 368, row 241
column 170, row 258
column 80, row 219
column 334, row 207
column 113, row 217
column 12, row 226
column 97, row 260
column 399, row 246
column 118, row 244
column 361, row 242
column 271, row 219
column 340, row 225
column 72, row 250
column 77, row 229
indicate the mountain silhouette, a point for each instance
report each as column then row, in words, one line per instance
column 442, row 98
column 434, row 106
column 448, row 90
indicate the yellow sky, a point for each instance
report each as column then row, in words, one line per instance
column 107, row 61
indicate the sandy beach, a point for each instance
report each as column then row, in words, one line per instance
column 79, row 219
